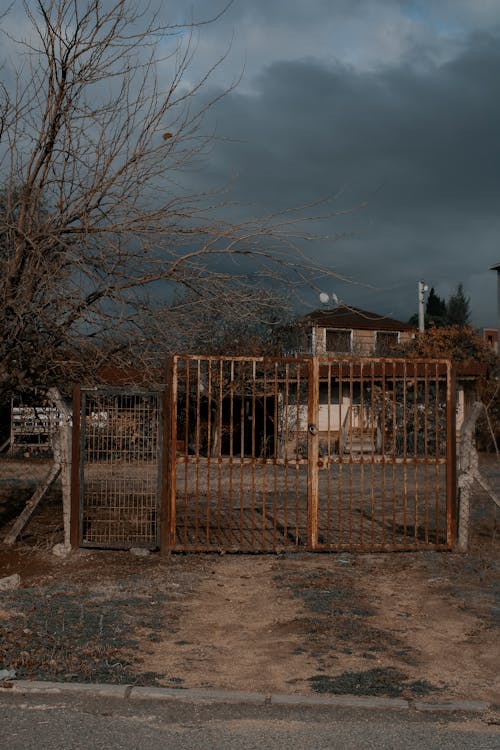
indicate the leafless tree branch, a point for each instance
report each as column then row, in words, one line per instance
column 98, row 124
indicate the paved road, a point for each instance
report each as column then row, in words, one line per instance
column 74, row 722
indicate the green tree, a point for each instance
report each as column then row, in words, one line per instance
column 435, row 311
column 458, row 308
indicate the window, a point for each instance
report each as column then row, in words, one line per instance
column 338, row 341
column 385, row 341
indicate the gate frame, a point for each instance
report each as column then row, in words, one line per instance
column 167, row 518
column 77, row 462
column 76, row 453
column 169, row 469
column 312, row 454
column 166, row 523
column 451, row 455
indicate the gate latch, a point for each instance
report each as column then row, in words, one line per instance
column 312, row 429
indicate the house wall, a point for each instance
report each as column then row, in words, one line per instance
column 406, row 336
column 332, row 416
column 363, row 342
column 490, row 338
column 332, row 411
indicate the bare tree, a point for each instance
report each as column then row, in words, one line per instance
column 93, row 215
column 236, row 319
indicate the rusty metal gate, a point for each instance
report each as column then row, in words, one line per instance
column 312, row 453
column 117, row 468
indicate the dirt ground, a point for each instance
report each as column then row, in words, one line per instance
column 400, row 624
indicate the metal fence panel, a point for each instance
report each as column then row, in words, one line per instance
column 240, row 472
column 120, row 468
column 384, row 454
column 257, row 455
column 313, row 453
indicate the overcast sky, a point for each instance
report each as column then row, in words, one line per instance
column 392, row 106
column 389, row 104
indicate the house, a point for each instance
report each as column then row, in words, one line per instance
column 346, row 391
column 490, row 338
column 352, row 331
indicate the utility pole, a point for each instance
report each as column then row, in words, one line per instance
column 422, row 288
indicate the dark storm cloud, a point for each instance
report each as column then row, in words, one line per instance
column 389, row 104
column 420, row 146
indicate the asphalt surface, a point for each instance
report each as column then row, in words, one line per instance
column 72, row 717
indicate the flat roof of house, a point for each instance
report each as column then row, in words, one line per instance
column 345, row 316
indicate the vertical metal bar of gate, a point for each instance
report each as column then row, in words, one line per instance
column 167, row 465
column 75, row 469
column 451, row 461
column 312, row 453
column 168, row 526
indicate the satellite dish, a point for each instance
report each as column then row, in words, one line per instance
column 325, row 298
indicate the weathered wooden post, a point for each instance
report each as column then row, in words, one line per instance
column 468, row 469
column 64, row 447
column 469, row 472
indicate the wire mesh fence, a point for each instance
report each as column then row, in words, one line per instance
column 120, row 468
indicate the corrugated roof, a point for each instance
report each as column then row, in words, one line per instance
column 353, row 317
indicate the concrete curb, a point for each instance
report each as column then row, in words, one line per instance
column 200, row 695
column 36, row 687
